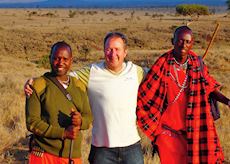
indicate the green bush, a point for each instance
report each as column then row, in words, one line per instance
column 192, row 9
column 43, row 62
column 72, row 13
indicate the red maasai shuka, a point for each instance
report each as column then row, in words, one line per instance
column 203, row 145
column 48, row 158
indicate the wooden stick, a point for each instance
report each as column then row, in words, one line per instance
column 213, row 36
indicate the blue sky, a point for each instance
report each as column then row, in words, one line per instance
column 19, row 1
column 107, row 1
column 26, row 1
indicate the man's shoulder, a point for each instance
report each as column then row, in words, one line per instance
column 98, row 65
column 79, row 84
column 39, row 84
column 131, row 64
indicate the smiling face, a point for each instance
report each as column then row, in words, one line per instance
column 183, row 42
column 115, row 53
column 61, row 60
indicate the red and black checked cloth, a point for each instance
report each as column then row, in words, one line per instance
column 202, row 140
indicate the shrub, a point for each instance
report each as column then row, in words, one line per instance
column 72, row 13
column 32, row 13
column 192, row 9
column 147, row 14
column 84, row 50
column 132, row 14
column 112, row 13
column 43, row 62
column 91, row 12
column 49, row 14
column 157, row 15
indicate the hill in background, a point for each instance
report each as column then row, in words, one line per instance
column 109, row 3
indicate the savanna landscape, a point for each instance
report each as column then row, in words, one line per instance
column 27, row 35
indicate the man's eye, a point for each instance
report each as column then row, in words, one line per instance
column 185, row 41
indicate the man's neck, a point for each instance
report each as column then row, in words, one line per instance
column 180, row 58
column 62, row 78
column 115, row 71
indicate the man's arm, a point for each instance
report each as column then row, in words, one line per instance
column 83, row 117
column 86, row 112
column 82, row 74
column 141, row 73
column 34, row 122
column 220, row 97
column 213, row 86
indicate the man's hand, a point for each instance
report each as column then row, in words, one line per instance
column 76, row 118
column 71, row 132
column 27, row 89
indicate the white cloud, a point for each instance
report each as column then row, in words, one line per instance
column 20, row 1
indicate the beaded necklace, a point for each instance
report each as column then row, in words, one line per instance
column 176, row 79
column 66, row 82
column 183, row 66
column 182, row 86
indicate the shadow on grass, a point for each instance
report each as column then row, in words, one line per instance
column 17, row 153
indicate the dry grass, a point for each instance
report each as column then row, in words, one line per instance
column 13, row 74
column 26, row 37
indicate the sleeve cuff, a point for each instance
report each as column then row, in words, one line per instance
column 57, row 133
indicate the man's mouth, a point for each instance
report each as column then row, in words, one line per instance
column 60, row 68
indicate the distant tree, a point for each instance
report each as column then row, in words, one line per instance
column 85, row 50
column 192, row 9
column 228, row 3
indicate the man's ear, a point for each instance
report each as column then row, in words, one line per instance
column 50, row 59
column 172, row 41
column 126, row 52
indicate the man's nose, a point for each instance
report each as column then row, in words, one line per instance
column 183, row 43
column 60, row 60
column 112, row 53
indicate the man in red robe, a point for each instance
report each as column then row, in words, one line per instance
column 173, row 107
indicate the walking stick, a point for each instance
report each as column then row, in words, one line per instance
column 70, row 153
column 212, row 39
column 71, row 148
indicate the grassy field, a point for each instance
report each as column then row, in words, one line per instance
column 27, row 35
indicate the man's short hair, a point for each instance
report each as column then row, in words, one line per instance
column 60, row 44
column 118, row 35
column 184, row 28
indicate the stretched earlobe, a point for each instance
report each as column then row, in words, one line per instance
column 172, row 41
column 50, row 59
